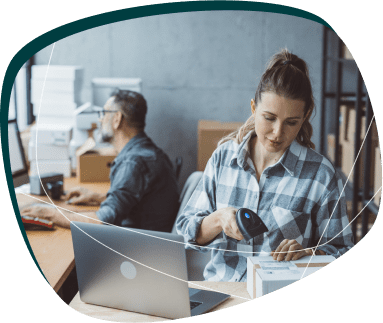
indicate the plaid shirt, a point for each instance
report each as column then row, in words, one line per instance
column 294, row 198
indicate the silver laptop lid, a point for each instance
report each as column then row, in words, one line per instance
column 131, row 271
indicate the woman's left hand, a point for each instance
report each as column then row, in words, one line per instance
column 289, row 250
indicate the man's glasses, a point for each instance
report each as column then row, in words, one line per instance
column 101, row 112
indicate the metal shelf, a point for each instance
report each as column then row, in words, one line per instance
column 341, row 59
column 372, row 207
column 362, row 108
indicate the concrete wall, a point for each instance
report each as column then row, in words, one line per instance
column 199, row 65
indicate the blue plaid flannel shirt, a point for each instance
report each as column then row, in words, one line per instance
column 294, row 198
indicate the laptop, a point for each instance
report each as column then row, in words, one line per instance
column 140, row 271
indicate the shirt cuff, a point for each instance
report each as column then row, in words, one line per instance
column 192, row 230
column 330, row 250
column 106, row 214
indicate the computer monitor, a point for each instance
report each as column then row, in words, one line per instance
column 16, row 154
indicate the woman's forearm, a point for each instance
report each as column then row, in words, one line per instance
column 210, row 228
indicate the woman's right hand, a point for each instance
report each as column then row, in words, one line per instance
column 229, row 223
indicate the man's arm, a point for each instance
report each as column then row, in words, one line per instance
column 83, row 196
column 128, row 186
column 58, row 216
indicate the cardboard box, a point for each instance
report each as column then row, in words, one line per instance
column 209, row 134
column 342, row 125
column 377, row 176
column 265, row 275
column 348, row 160
column 348, row 125
column 331, row 148
column 93, row 164
column 346, row 53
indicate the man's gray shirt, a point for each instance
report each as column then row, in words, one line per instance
column 143, row 193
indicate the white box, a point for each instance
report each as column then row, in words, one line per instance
column 60, row 98
column 268, row 281
column 52, row 134
column 48, row 166
column 60, row 72
column 61, row 120
column 54, row 108
column 56, row 85
column 265, row 275
column 47, row 152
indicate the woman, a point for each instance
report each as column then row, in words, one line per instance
column 270, row 167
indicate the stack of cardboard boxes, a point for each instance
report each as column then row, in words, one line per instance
column 346, row 53
column 55, row 94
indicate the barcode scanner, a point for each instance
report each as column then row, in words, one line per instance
column 249, row 223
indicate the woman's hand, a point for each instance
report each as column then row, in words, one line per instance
column 218, row 221
column 289, row 250
column 229, row 223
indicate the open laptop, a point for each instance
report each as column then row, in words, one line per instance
column 134, row 271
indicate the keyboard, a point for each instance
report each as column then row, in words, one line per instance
column 194, row 304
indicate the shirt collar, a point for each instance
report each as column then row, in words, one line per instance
column 288, row 160
column 291, row 157
column 132, row 142
column 243, row 152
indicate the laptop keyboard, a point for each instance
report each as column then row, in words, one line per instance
column 194, row 304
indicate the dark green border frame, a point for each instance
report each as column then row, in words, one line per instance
column 313, row 305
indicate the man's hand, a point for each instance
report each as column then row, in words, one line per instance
column 229, row 223
column 46, row 212
column 289, row 250
column 83, row 196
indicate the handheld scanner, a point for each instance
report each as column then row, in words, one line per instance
column 249, row 223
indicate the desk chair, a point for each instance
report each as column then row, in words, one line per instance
column 178, row 165
column 196, row 261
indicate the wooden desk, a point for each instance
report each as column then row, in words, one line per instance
column 111, row 314
column 53, row 249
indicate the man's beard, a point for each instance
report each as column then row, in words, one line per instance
column 104, row 136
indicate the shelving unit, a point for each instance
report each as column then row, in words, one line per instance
column 359, row 98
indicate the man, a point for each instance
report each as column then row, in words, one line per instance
column 143, row 193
